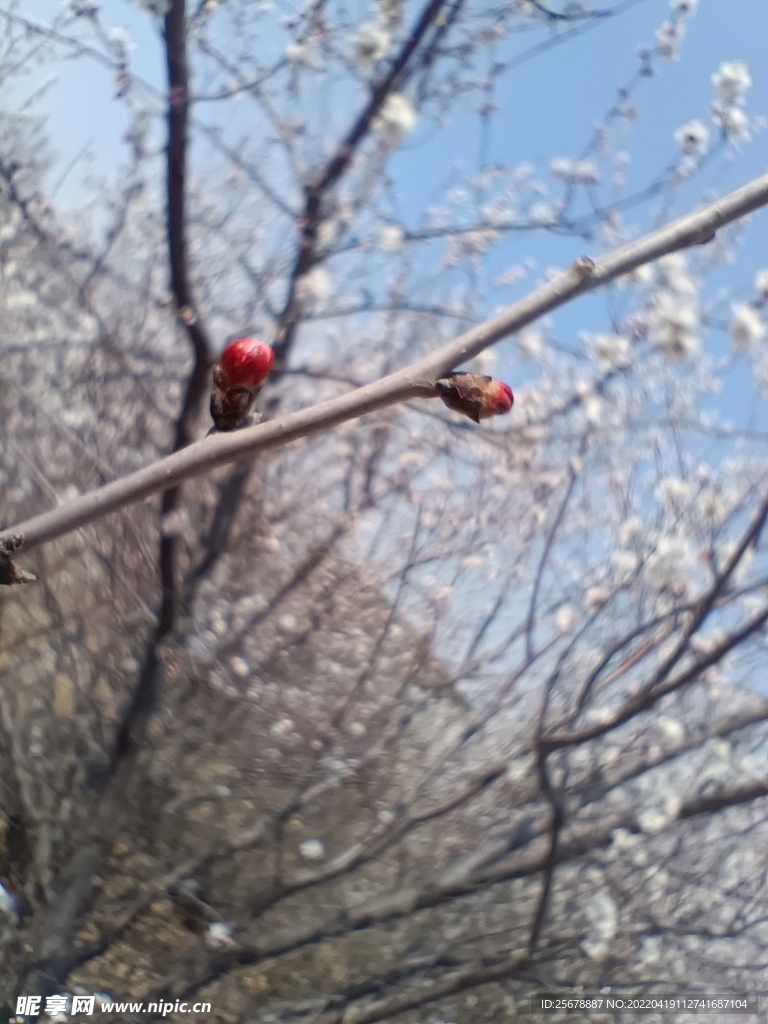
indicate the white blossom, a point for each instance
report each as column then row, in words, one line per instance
column 120, row 38
column 603, row 917
column 313, row 287
column 530, row 344
column 639, row 277
column 370, row 43
column 511, row 275
column 625, row 561
column 693, row 137
column 732, row 81
column 706, row 643
column 312, row 849
column 684, row 8
column 542, row 213
column 733, row 121
column 458, row 194
column 761, row 285
column 281, row 727
column 574, row 172
column 565, row 618
column 631, row 529
column 304, row 55
column 671, row 730
column 396, row 118
column 652, row 820
column 485, row 179
column 585, row 173
column 596, row 598
column 672, row 492
column 326, row 233
column 710, row 506
column 240, row 667
column 12, row 221
column 669, row 566
column 390, row 238
column 650, row 950
column 498, row 213
column 747, row 327
column 219, row 935
column 388, row 12
column 673, row 326
column 672, row 273
column 593, row 409
column 474, row 243
column 669, row 37
column 561, row 167
column 609, row 351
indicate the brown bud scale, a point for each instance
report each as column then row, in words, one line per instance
column 475, row 395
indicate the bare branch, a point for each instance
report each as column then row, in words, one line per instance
column 414, row 381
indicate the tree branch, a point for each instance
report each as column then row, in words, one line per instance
column 414, row 381
column 329, row 175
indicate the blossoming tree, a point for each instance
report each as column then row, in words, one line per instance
column 413, row 717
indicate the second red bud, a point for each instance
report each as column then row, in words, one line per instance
column 475, row 395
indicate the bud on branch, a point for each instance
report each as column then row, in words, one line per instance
column 475, row 395
column 237, row 380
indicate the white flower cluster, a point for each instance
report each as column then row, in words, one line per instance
column 530, row 345
column 391, row 238
column 693, row 138
column 747, row 327
column 731, row 83
column 396, row 118
column 673, row 494
column 370, row 43
column 498, row 213
column 670, row 35
column 670, row 567
column 603, row 918
column 219, row 935
column 609, row 351
column 542, row 214
column 120, row 39
column 574, row 172
column 313, row 288
column 470, row 244
column 312, row 849
column 761, row 287
column 389, row 13
column 305, row 55
column 672, row 315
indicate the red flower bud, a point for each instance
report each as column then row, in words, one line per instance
column 246, row 362
column 475, row 395
column 237, row 379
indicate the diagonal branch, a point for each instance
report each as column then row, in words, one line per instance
column 414, row 381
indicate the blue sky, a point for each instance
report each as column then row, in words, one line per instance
column 547, row 107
